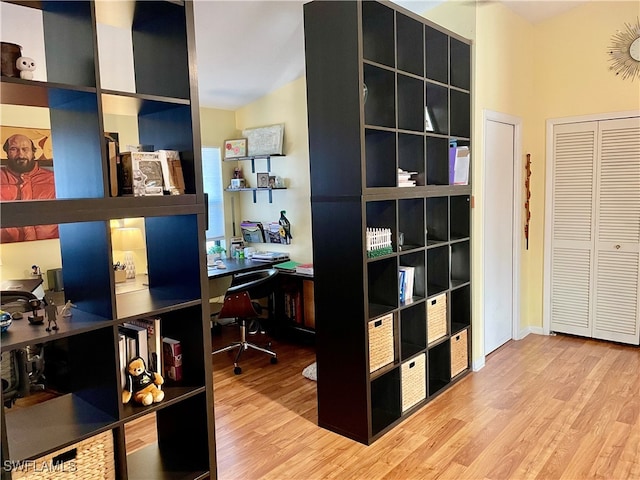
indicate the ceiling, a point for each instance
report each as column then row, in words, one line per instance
column 246, row 49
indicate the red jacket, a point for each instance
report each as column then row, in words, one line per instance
column 38, row 184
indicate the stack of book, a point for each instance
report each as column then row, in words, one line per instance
column 404, row 178
column 140, row 338
column 305, row 268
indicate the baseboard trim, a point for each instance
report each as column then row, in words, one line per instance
column 478, row 364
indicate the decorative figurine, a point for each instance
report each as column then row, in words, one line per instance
column 35, row 319
column 26, row 65
column 66, row 310
column 51, row 311
column 285, row 228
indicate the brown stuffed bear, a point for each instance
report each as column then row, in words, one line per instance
column 142, row 384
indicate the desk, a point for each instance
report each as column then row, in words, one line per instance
column 293, row 309
column 235, row 265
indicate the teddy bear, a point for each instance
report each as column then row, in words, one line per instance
column 142, row 385
column 26, row 65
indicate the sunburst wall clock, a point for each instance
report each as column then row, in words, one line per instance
column 624, row 51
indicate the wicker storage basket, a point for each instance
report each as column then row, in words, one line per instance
column 90, row 459
column 436, row 317
column 380, row 342
column 414, row 381
column 459, row 356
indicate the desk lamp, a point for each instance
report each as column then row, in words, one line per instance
column 128, row 239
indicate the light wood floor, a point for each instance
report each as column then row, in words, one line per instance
column 544, row 407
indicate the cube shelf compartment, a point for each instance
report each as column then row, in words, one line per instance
column 406, row 63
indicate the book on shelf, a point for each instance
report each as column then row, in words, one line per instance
column 401, row 284
column 132, row 342
column 147, row 174
column 289, row 266
column 113, row 161
column 406, row 287
column 154, row 341
column 459, row 161
column 305, row 268
column 293, row 305
column 172, row 355
column 172, row 171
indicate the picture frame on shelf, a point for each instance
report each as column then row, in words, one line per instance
column 148, row 178
column 266, row 140
column 263, row 180
column 235, row 148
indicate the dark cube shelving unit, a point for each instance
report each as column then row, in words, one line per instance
column 84, row 361
column 409, row 66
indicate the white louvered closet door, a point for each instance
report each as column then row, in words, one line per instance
column 595, row 288
column 572, row 254
column 617, row 262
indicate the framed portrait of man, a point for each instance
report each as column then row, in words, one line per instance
column 26, row 173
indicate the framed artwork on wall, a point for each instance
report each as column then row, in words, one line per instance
column 235, row 148
column 26, row 150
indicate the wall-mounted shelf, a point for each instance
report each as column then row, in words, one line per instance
column 253, row 159
column 254, row 190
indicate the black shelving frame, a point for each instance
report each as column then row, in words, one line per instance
column 84, row 363
column 409, row 66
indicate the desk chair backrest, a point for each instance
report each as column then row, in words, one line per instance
column 244, row 288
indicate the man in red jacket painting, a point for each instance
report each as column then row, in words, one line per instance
column 23, row 179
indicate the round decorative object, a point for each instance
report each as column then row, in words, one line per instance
column 5, row 321
column 624, row 51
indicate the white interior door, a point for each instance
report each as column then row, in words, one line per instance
column 498, row 233
column 617, row 237
column 574, row 200
column 595, row 230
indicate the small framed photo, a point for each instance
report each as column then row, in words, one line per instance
column 263, row 180
column 272, row 181
column 235, row 148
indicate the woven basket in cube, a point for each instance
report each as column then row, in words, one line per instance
column 436, row 317
column 459, row 355
column 90, row 459
column 380, row 342
column 414, row 381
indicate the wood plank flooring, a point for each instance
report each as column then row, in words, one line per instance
column 553, row 407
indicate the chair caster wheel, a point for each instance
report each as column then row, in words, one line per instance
column 237, row 370
column 216, row 329
column 274, row 360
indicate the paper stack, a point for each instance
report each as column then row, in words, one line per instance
column 404, row 178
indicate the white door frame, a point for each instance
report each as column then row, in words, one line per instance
column 518, row 205
column 548, row 201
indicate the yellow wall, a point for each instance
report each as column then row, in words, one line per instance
column 287, row 105
column 572, row 78
column 556, row 68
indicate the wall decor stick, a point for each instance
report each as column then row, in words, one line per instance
column 527, row 185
